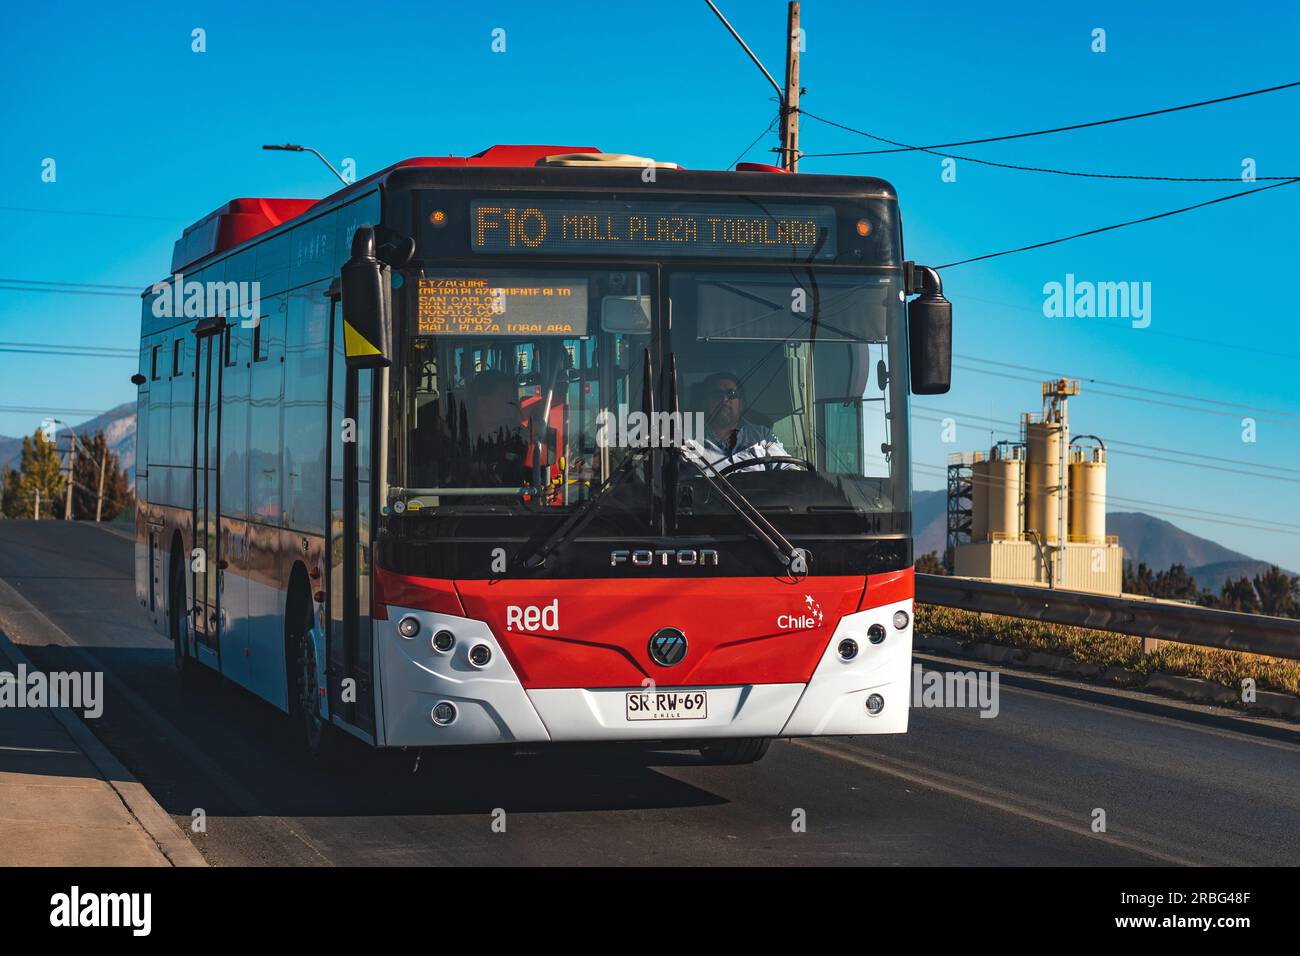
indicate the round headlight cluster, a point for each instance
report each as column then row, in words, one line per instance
column 408, row 626
column 443, row 641
column 901, row 619
column 479, row 655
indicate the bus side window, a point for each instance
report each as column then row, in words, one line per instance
column 259, row 347
column 178, row 357
column 153, row 362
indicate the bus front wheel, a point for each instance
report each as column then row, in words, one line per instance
column 739, row 751
column 320, row 742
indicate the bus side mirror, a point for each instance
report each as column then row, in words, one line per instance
column 929, row 332
column 364, row 286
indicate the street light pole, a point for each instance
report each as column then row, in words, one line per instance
column 780, row 94
column 295, row 148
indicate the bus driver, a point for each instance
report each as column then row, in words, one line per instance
column 728, row 436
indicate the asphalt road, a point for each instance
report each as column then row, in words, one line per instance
column 1176, row 785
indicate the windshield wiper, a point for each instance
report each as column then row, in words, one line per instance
column 794, row 560
column 582, row 514
column 587, row 510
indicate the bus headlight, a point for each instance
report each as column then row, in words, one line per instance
column 900, row 619
column 443, row 641
column 875, row 704
column 444, row 713
column 479, row 655
column 408, row 626
column 875, row 633
column 848, row 649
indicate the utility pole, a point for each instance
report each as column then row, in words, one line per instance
column 36, row 509
column 790, row 104
column 99, row 502
column 72, row 466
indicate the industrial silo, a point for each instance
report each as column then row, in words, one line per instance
column 1043, row 478
column 1005, row 474
column 1088, row 494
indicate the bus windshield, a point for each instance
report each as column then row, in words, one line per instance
column 796, row 380
column 524, row 389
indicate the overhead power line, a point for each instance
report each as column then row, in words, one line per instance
column 98, row 349
column 79, row 285
column 1136, row 388
column 70, row 351
column 1063, row 129
column 1044, row 169
column 89, row 212
column 1135, row 398
column 43, row 410
column 1119, row 225
column 753, row 144
column 65, row 292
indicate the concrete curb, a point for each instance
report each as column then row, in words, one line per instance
column 153, row 819
column 1267, row 703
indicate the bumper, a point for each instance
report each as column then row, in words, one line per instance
column 491, row 705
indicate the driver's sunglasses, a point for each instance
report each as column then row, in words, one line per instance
column 726, row 394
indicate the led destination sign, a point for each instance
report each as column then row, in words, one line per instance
column 650, row 228
column 512, row 306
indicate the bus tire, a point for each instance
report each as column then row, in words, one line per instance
column 739, row 751
column 188, row 670
column 320, row 743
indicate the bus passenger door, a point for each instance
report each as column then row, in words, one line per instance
column 205, row 564
column 354, row 410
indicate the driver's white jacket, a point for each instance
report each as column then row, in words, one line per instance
column 749, row 442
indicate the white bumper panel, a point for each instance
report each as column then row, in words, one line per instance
column 835, row 701
column 754, row 710
column 491, row 704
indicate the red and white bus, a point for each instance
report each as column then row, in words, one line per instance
column 543, row 444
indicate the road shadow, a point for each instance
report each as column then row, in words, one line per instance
column 231, row 753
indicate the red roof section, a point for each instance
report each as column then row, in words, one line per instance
column 237, row 221
column 242, row 219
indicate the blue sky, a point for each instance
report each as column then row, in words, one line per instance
column 140, row 126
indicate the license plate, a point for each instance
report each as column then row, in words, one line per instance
column 667, row 705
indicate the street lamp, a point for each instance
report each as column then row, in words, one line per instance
column 295, row 148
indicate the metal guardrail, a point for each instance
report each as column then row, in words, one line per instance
column 1168, row 621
